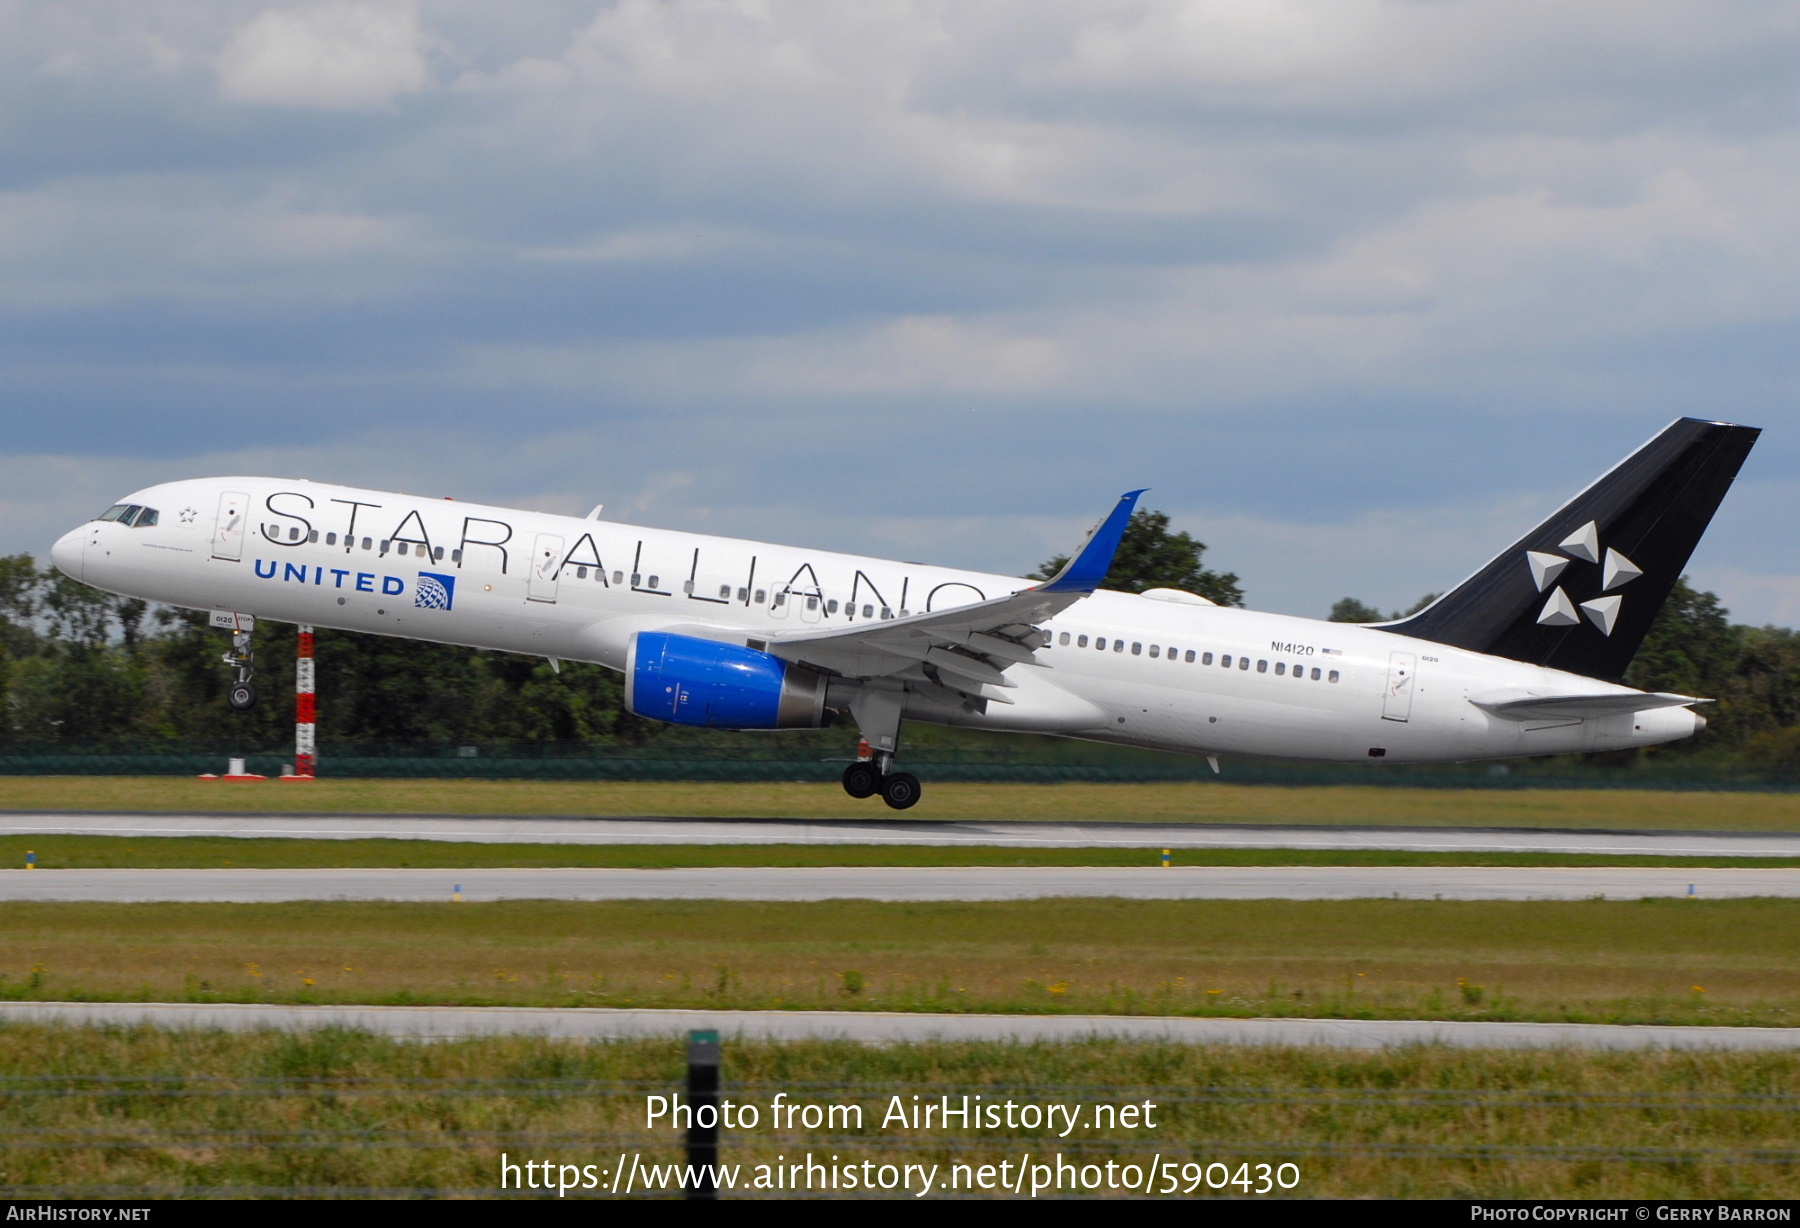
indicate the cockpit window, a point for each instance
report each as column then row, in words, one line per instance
column 134, row 514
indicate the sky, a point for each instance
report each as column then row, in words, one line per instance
column 1359, row 289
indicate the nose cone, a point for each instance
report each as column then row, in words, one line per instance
column 69, row 551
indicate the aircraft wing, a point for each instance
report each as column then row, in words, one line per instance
column 967, row 648
column 1524, row 706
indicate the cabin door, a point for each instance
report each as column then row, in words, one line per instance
column 546, row 561
column 1396, row 702
column 228, row 534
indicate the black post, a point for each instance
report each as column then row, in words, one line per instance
column 703, row 1094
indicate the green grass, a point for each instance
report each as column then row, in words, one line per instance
column 1199, row 802
column 218, row 852
column 127, row 1112
column 1653, row 961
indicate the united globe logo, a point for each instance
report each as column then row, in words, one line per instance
column 435, row 592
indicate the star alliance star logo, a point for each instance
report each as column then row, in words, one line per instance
column 187, row 515
column 1583, row 544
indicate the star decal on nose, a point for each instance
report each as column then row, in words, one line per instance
column 1583, row 545
column 187, row 514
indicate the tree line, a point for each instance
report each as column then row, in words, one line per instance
column 81, row 666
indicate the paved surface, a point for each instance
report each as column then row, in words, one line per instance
column 900, row 883
column 506, row 829
column 444, row 1022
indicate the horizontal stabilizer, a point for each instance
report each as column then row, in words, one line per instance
column 1519, row 705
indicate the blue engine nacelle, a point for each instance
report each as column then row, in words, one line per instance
column 690, row 681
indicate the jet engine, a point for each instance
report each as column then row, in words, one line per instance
column 691, row 681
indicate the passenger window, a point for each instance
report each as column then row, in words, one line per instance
column 618, row 577
column 1332, row 677
column 294, row 533
column 687, row 586
column 1315, row 677
column 1190, row 657
column 437, row 555
column 1243, row 662
column 312, row 536
column 114, row 512
column 760, row 594
column 1225, row 661
column 147, row 517
column 1280, row 668
column 581, row 573
column 1262, row 667
column 331, row 539
column 887, row 612
column 831, row 607
column 724, row 592
column 780, row 599
column 403, row 548
column 456, row 556
column 812, row 603
column 1155, row 651
column 743, row 594
column 1100, row 642
column 1299, row 671
column 868, row 611
column 1118, row 645
column 637, row 579
column 1081, row 641
column 368, row 544
column 386, row 545
column 1065, row 639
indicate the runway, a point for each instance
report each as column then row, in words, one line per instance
column 880, row 1027
column 899, row 883
column 551, row 829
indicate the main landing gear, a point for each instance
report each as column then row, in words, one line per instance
column 877, row 708
column 241, row 695
column 864, row 778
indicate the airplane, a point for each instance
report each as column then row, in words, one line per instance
column 1522, row 658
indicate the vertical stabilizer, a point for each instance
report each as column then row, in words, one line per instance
column 1579, row 592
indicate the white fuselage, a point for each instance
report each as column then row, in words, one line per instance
column 578, row 590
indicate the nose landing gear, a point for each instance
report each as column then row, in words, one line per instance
column 242, row 657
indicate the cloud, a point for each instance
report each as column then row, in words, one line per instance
column 335, row 57
column 1333, row 276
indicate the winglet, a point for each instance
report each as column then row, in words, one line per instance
column 1083, row 573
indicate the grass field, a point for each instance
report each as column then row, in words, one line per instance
column 1654, row 961
column 203, row 852
column 124, row 1112
column 1203, row 802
